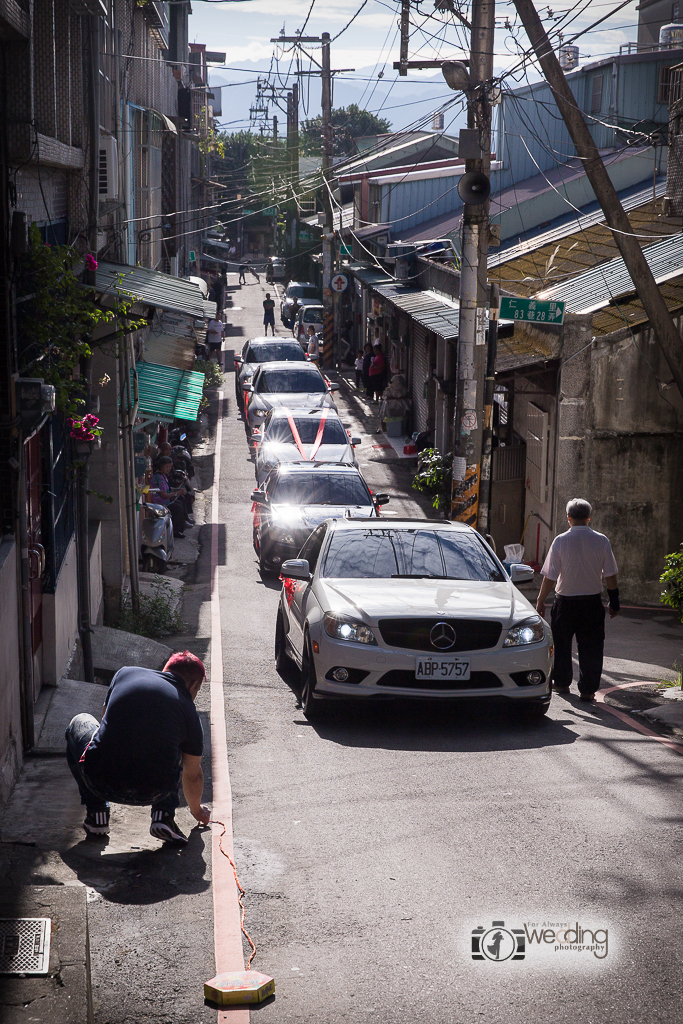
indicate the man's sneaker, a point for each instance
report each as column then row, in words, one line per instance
column 97, row 823
column 164, row 827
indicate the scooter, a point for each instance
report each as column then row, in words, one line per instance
column 156, row 538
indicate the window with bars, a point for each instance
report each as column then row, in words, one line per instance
column 596, row 94
column 537, row 451
column 664, row 85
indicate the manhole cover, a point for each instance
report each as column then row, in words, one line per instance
column 24, row 945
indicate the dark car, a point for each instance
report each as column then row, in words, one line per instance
column 295, row 497
column 263, row 350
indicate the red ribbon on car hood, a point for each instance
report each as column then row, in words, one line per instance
column 318, row 436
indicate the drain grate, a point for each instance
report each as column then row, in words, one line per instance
column 25, row 945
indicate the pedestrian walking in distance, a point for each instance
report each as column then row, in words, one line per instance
column 147, row 745
column 576, row 566
column 243, row 274
column 269, row 314
column 214, row 338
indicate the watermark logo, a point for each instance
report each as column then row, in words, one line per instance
column 500, row 942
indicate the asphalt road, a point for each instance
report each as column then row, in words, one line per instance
column 371, row 845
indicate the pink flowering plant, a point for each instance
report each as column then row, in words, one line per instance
column 85, row 428
column 56, row 321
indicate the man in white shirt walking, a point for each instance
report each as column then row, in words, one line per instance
column 576, row 566
column 313, row 346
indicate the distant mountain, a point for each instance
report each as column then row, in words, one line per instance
column 403, row 103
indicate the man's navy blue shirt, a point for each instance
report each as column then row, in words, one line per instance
column 150, row 721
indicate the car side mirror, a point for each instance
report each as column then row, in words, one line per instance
column 355, row 441
column 382, row 499
column 334, row 387
column 259, row 497
column 296, row 569
column 247, row 387
column 238, row 360
column 520, row 573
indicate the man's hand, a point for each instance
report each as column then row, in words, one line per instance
column 540, row 608
column 612, row 612
column 203, row 815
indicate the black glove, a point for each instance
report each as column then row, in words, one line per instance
column 613, row 596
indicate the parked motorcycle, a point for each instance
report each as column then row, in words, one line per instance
column 182, row 460
column 156, row 538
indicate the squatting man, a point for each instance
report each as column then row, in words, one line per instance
column 148, row 744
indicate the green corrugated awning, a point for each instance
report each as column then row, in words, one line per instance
column 167, row 393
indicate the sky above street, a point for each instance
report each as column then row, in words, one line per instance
column 370, row 44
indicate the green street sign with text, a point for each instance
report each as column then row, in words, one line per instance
column 532, row 310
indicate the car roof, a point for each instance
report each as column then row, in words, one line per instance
column 284, row 364
column 360, row 523
column 275, row 340
column 312, row 467
column 281, row 412
column 307, row 284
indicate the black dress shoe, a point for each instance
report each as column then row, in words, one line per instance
column 180, row 536
column 587, row 696
column 560, row 689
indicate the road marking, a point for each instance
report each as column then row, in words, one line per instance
column 227, row 937
column 600, row 698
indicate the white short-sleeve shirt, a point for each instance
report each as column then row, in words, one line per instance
column 579, row 560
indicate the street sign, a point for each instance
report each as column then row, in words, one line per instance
column 339, row 283
column 532, row 310
column 191, row 255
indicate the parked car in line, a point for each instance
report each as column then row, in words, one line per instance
column 315, row 440
column 309, row 316
column 410, row 608
column 295, row 497
column 305, row 293
column 274, row 384
column 276, row 269
column 263, row 350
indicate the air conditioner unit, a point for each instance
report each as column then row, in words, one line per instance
column 108, row 169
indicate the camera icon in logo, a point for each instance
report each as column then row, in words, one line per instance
column 498, row 943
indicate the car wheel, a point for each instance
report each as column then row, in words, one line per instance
column 309, row 705
column 283, row 661
column 264, row 567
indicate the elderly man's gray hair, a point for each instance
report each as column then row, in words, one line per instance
column 579, row 508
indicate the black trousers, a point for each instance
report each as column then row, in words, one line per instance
column 583, row 618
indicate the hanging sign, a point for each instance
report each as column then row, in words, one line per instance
column 532, row 310
column 339, row 283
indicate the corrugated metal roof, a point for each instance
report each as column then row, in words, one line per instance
column 368, row 275
column 556, row 263
column 172, row 339
column 209, row 309
column 579, row 223
column 595, row 288
column 150, row 286
column 425, row 308
column 168, row 393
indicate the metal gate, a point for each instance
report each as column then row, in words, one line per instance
column 419, row 375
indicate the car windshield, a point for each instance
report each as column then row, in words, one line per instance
column 281, row 351
column 400, row 553
column 307, row 427
column 312, row 315
column 321, row 489
column 282, row 382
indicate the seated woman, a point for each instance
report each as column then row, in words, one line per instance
column 160, row 492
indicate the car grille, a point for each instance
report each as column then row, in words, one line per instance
column 471, row 634
column 404, row 678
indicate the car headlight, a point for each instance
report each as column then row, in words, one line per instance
column 285, row 538
column 259, row 412
column 529, row 631
column 345, row 627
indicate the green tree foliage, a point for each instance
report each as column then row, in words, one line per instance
column 348, row 123
column 232, row 162
column 672, row 578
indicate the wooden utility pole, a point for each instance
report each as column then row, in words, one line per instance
column 402, row 66
column 467, row 426
column 327, row 355
column 645, row 285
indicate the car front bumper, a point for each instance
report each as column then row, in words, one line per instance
column 387, row 672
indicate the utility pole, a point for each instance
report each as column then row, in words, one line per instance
column 648, row 292
column 484, row 517
column 402, row 67
column 327, row 355
column 476, row 143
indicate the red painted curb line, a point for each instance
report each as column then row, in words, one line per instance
column 600, row 698
column 227, row 936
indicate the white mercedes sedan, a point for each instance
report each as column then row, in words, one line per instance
column 410, row 609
